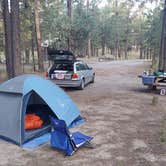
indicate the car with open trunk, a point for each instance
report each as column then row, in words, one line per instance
column 67, row 71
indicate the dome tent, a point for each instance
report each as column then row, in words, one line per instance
column 22, row 91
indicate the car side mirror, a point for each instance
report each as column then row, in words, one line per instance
column 90, row 68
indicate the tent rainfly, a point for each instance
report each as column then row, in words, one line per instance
column 25, row 92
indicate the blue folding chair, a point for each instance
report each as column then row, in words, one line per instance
column 62, row 139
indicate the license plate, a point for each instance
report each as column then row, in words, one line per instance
column 60, row 76
column 57, row 76
column 68, row 77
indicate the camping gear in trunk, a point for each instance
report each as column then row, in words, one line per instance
column 61, row 71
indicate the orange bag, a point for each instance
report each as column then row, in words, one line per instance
column 32, row 117
column 32, row 121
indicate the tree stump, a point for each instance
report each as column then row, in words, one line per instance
column 155, row 100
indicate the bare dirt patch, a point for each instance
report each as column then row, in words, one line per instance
column 125, row 125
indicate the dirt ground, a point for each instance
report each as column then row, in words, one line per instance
column 120, row 116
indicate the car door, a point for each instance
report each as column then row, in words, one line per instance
column 82, row 71
column 89, row 73
column 78, row 70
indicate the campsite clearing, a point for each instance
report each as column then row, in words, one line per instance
column 125, row 124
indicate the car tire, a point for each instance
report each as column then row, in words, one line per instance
column 93, row 79
column 82, row 85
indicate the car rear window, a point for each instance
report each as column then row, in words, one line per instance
column 63, row 66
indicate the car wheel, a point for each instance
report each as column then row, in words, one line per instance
column 93, row 79
column 82, row 85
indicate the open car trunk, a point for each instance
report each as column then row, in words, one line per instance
column 61, row 71
column 63, row 61
column 60, row 55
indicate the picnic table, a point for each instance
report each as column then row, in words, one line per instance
column 154, row 81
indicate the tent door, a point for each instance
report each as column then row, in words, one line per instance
column 37, row 106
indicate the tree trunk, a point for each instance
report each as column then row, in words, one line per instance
column 89, row 48
column 69, row 9
column 144, row 53
column 33, row 55
column 147, row 53
column 117, row 49
column 119, row 52
column 32, row 47
column 38, row 36
column 97, row 52
column 12, row 37
column 89, row 40
column 92, row 50
column 16, row 50
column 127, row 35
column 111, row 51
column 116, row 25
column 27, row 54
column 162, row 56
column 155, row 60
column 103, row 48
column 150, row 52
column 126, row 45
column 141, row 52
column 69, row 14
column 8, row 46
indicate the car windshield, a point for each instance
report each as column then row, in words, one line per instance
column 63, row 66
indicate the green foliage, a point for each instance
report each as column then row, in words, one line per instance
column 116, row 26
column 151, row 35
column 85, row 25
column 54, row 23
column 26, row 21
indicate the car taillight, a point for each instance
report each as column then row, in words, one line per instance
column 46, row 74
column 75, row 76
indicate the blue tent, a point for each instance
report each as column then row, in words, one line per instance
column 37, row 94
